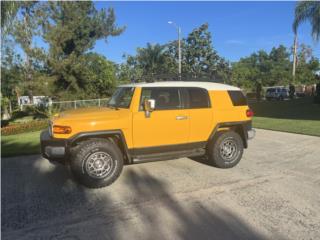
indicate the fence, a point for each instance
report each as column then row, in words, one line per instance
column 66, row 105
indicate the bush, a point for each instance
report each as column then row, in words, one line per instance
column 4, row 123
column 19, row 114
column 24, row 127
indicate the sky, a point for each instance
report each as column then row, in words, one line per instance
column 238, row 28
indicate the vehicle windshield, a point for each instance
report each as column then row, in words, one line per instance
column 121, row 98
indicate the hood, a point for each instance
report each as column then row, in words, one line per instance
column 88, row 113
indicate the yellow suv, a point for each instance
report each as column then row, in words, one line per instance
column 147, row 122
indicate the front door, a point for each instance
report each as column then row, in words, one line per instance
column 167, row 125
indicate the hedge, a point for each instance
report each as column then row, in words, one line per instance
column 24, row 127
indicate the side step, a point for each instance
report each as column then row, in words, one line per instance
column 168, row 155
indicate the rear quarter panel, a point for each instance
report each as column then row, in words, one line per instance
column 223, row 109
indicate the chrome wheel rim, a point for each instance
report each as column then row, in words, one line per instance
column 99, row 165
column 228, row 149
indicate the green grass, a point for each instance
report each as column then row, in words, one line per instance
column 20, row 144
column 296, row 116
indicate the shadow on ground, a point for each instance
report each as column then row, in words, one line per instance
column 41, row 201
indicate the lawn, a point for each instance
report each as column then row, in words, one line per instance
column 296, row 116
column 20, row 144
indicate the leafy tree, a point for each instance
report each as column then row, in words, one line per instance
column 71, row 30
column 199, row 55
column 25, row 28
column 11, row 74
column 274, row 68
column 9, row 10
column 263, row 68
column 128, row 72
column 100, row 74
column 308, row 11
column 199, row 60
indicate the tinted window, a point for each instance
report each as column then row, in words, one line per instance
column 237, row 98
column 198, row 98
column 166, row 98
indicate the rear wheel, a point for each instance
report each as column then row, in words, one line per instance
column 226, row 149
column 96, row 163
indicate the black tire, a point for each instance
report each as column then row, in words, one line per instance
column 92, row 154
column 220, row 158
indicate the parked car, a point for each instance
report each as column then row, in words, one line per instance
column 148, row 122
column 277, row 93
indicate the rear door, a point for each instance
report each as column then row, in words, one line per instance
column 200, row 113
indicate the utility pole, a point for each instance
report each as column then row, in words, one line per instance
column 179, row 48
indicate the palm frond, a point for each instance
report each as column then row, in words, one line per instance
column 308, row 11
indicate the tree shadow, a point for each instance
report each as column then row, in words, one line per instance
column 193, row 220
column 11, row 147
column 41, row 201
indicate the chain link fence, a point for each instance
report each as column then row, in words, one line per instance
column 66, row 105
column 59, row 106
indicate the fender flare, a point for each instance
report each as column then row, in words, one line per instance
column 99, row 134
column 243, row 127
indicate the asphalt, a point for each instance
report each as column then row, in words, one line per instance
column 274, row 193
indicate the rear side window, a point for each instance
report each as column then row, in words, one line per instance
column 198, row 98
column 237, row 98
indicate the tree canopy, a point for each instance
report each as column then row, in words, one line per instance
column 274, row 68
column 68, row 67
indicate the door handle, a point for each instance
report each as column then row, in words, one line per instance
column 181, row 117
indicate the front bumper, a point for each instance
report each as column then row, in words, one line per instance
column 53, row 149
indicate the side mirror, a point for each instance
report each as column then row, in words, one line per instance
column 149, row 106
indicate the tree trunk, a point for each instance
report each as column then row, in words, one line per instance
column 294, row 57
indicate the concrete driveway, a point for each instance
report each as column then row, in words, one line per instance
column 274, row 193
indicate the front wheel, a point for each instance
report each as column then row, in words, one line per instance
column 96, row 163
column 226, row 149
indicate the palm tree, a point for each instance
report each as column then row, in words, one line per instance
column 305, row 11
column 151, row 58
column 308, row 11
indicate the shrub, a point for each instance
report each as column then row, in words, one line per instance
column 24, row 127
column 4, row 123
column 18, row 114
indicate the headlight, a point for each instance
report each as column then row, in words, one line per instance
column 61, row 129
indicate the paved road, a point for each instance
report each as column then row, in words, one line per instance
column 274, row 193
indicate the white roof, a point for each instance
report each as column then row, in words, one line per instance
column 206, row 85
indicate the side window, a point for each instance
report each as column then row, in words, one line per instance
column 237, row 98
column 166, row 98
column 198, row 98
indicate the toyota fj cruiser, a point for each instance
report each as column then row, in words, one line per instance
column 147, row 122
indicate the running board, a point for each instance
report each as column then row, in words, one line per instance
column 168, row 155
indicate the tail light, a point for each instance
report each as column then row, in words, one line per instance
column 249, row 113
column 61, row 129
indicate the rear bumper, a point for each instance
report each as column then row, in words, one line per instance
column 53, row 149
